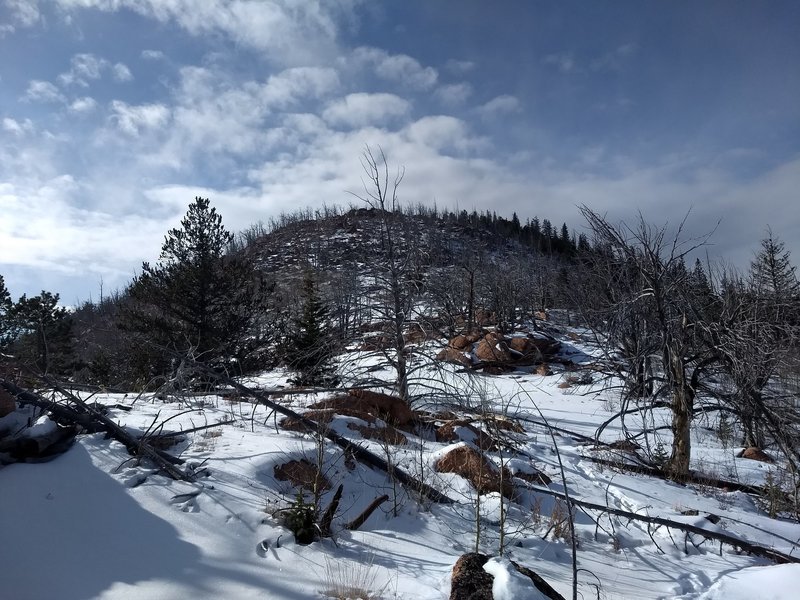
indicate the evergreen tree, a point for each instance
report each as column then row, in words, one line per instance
column 5, row 307
column 196, row 297
column 40, row 333
column 310, row 348
column 771, row 273
column 515, row 225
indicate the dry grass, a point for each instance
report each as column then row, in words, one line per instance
column 349, row 580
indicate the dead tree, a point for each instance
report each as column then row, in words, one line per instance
column 659, row 298
column 392, row 265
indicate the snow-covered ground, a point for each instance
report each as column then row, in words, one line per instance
column 94, row 524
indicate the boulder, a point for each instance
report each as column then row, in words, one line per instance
column 365, row 402
column 544, row 370
column 459, row 342
column 476, row 468
column 527, row 347
column 464, row 431
column 754, row 453
column 490, row 350
column 454, row 355
column 415, row 335
column 8, row 403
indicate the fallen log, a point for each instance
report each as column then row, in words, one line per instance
column 40, row 448
column 94, row 421
column 644, row 469
column 358, row 452
column 691, row 477
column 362, row 518
column 737, row 543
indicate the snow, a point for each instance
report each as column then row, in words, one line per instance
column 94, row 524
column 779, row 582
column 510, row 584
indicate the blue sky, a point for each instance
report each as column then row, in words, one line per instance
column 115, row 114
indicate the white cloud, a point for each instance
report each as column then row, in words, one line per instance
column 294, row 33
column 83, row 68
column 300, row 83
column 121, row 72
column 49, row 232
column 359, row 110
column 134, row 120
column 442, row 133
column 18, row 128
column 398, row 68
column 454, row 94
column 24, row 12
column 500, row 104
column 216, row 116
column 83, row 105
column 152, row 55
column 86, row 67
column 43, row 91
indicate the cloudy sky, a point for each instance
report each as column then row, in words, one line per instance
column 115, row 114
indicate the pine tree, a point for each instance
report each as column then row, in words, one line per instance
column 5, row 307
column 310, row 348
column 40, row 333
column 771, row 273
column 197, row 297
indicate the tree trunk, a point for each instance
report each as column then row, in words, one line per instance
column 682, row 404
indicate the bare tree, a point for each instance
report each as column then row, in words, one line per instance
column 754, row 338
column 392, row 265
column 658, row 302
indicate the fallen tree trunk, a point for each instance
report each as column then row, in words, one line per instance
column 94, row 421
column 362, row 518
column 692, row 477
column 358, row 452
column 40, row 448
column 645, row 469
column 737, row 543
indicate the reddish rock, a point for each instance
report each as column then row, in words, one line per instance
column 7, row 403
column 463, row 430
column 460, row 342
column 754, row 453
column 455, row 356
column 473, row 466
column 489, row 350
column 367, row 405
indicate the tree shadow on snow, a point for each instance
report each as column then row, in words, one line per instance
column 70, row 531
